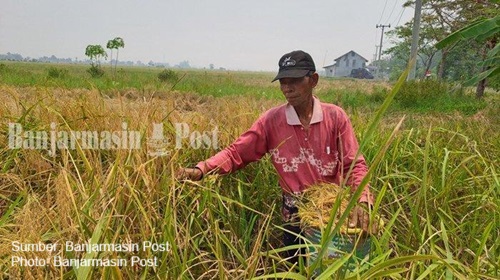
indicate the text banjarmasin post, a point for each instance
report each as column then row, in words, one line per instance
column 123, row 139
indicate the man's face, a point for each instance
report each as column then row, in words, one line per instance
column 298, row 91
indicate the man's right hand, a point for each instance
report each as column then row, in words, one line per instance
column 193, row 174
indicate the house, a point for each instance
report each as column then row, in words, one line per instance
column 343, row 65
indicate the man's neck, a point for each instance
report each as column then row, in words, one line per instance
column 305, row 112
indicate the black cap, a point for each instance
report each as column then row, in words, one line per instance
column 295, row 64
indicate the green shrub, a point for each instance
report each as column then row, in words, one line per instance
column 167, row 75
column 54, row 72
column 95, row 71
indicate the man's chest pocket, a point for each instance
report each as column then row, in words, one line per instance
column 329, row 156
column 327, row 166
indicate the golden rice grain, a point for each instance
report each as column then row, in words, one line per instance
column 317, row 203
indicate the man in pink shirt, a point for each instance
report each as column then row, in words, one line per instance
column 310, row 142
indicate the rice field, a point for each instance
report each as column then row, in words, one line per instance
column 115, row 210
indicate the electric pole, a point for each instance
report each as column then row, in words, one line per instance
column 381, row 39
column 414, row 39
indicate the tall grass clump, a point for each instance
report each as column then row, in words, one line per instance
column 54, row 72
column 168, row 75
column 437, row 96
column 95, row 71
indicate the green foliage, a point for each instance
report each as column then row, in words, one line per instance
column 416, row 93
column 116, row 43
column 95, row 53
column 355, row 98
column 54, row 72
column 436, row 96
column 494, row 82
column 168, row 75
column 480, row 30
column 440, row 18
column 462, row 61
column 95, row 71
column 426, row 50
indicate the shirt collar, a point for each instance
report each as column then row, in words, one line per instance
column 293, row 119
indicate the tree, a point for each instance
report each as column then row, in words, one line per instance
column 440, row 18
column 95, row 53
column 116, row 43
column 485, row 30
column 183, row 64
column 401, row 50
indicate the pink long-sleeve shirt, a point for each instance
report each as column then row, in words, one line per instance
column 302, row 158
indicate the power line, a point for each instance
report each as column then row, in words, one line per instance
column 393, row 7
column 400, row 16
column 383, row 11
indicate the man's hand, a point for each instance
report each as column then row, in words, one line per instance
column 193, row 174
column 360, row 218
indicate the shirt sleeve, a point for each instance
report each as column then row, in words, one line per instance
column 249, row 147
column 348, row 148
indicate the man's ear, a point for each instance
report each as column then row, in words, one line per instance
column 314, row 79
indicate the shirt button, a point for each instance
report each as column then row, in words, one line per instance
column 306, row 139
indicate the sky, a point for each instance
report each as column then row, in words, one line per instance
column 237, row 35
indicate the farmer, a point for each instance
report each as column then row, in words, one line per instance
column 309, row 141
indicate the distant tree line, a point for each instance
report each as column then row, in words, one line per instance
column 54, row 59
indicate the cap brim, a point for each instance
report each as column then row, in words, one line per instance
column 291, row 73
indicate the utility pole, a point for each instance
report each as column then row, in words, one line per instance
column 414, row 39
column 381, row 38
column 380, row 50
column 376, row 51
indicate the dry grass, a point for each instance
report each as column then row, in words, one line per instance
column 317, row 203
